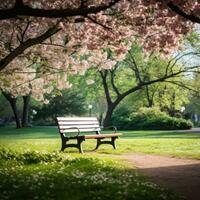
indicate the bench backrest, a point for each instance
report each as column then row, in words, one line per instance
column 84, row 124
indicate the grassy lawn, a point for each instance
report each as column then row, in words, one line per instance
column 31, row 167
column 151, row 142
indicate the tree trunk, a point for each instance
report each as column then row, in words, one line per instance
column 26, row 100
column 101, row 118
column 109, row 112
column 149, row 98
column 172, row 110
column 13, row 103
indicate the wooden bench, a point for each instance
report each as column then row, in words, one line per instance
column 72, row 128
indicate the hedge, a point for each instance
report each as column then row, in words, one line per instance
column 149, row 119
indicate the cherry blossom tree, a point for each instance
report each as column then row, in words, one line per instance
column 71, row 35
column 57, row 9
column 95, row 24
column 36, row 79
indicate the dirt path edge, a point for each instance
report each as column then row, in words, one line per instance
column 180, row 175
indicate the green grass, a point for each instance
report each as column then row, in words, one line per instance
column 31, row 167
column 152, row 142
column 36, row 175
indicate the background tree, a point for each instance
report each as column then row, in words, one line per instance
column 5, row 110
column 68, row 102
column 35, row 80
column 167, row 96
column 144, row 73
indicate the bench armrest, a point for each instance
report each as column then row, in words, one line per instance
column 110, row 127
column 78, row 130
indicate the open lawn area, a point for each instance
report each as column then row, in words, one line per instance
column 31, row 166
column 151, row 142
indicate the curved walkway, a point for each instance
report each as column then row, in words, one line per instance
column 192, row 130
column 180, row 175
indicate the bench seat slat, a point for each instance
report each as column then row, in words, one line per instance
column 81, row 130
column 102, row 136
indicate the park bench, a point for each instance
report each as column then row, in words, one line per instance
column 75, row 128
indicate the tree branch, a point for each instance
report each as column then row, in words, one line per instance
column 28, row 43
column 105, row 85
column 52, row 44
column 98, row 23
column 180, row 84
column 24, row 32
column 180, row 12
column 134, row 67
column 161, row 79
column 178, row 57
column 22, row 10
column 112, row 74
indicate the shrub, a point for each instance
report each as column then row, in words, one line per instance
column 30, row 157
column 120, row 118
column 152, row 119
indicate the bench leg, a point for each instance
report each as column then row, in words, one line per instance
column 63, row 145
column 112, row 142
column 78, row 145
column 79, row 142
column 98, row 143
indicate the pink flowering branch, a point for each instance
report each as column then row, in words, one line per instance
column 25, row 45
column 177, row 10
column 23, row 10
column 100, row 24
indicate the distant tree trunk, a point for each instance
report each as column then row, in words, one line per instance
column 101, row 118
column 13, row 103
column 26, row 100
column 149, row 98
column 172, row 110
column 161, row 93
column 109, row 112
column 110, row 105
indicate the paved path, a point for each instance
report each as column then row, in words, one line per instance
column 180, row 175
column 192, row 130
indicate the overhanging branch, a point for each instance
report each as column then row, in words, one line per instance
column 177, row 10
column 28, row 43
column 22, row 10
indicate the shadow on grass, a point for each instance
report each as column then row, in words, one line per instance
column 76, row 179
column 183, row 179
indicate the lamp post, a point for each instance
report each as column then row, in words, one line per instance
column 90, row 109
column 182, row 109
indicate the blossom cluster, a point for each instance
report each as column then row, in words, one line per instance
column 83, row 41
